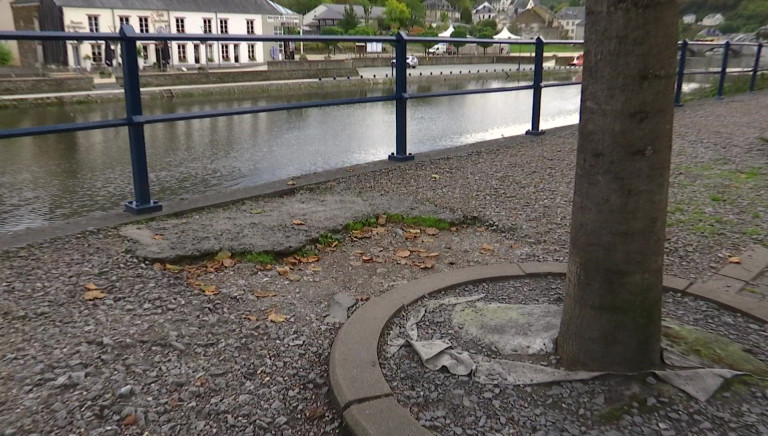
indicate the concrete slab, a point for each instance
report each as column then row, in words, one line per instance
column 544, row 268
column 723, row 291
column 753, row 262
column 675, row 284
column 382, row 417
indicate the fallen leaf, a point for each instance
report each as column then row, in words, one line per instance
column 158, row 266
column 309, row 259
column 276, row 317
column 250, row 317
column 173, row 268
column 201, row 381
column 293, row 277
column 130, row 420
column 267, row 267
column 209, row 290
column 481, row 229
column 158, row 237
column 291, row 261
column 283, row 271
column 429, row 254
column 298, row 222
column 431, row 231
column 734, row 260
column 414, row 231
column 427, row 264
column 454, row 229
column 315, row 413
column 381, row 220
column 427, row 239
column 223, row 255
column 91, row 287
column 403, row 253
column 315, row 268
column 411, row 236
column 93, row 295
column 367, row 259
column 229, row 262
column 264, row 294
column 487, row 249
column 364, row 298
column 358, row 252
column 435, row 177
column 291, row 182
column 257, row 211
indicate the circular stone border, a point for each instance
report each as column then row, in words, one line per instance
column 358, row 388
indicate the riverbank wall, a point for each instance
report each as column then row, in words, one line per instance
column 40, row 85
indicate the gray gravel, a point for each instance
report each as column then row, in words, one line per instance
column 160, row 357
column 448, row 404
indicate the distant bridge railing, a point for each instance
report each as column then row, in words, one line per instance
column 135, row 120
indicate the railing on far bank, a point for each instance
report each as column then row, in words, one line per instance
column 135, row 120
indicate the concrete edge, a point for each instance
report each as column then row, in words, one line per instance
column 265, row 190
column 358, row 388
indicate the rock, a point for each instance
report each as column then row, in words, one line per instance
column 125, row 391
column 339, row 306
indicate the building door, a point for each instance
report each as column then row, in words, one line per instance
column 76, row 55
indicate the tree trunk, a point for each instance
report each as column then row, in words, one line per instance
column 612, row 311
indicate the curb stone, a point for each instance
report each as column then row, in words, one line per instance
column 358, row 387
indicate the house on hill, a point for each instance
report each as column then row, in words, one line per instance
column 329, row 14
column 538, row 21
column 572, row 19
column 435, row 8
column 712, row 20
column 483, row 12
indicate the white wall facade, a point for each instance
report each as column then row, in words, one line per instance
column 192, row 54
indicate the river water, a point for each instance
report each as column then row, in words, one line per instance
column 55, row 177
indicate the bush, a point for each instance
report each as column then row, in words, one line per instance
column 6, row 57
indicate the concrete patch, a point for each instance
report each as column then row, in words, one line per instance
column 511, row 328
column 339, row 306
column 265, row 225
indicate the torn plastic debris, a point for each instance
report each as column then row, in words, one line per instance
column 435, row 355
column 431, row 305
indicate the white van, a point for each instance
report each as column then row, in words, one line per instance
column 442, row 49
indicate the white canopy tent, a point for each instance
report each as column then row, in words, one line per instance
column 505, row 34
column 447, row 33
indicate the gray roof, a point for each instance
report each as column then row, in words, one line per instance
column 335, row 11
column 522, row 4
column 572, row 13
column 437, row 4
column 261, row 7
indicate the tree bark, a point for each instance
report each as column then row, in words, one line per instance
column 612, row 311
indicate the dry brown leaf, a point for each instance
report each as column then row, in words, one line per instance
column 291, row 182
column 431, row 231
column 317, row 412
column 429, row 254
column 381, row 220
column 427, row 264
column 309, row 259
column 403, row 253
column 201, row 381
column 315, row 268
column 264, row 294
column 130, row 420
column 229, row 263
column 224, row 254
column 410, row 236
column 293, row 277
column 367, row 259
column 427, row 239
column 209, row 290
column 158, row 237
column 358, row 252
column 91, row 287
column 487, row 249
column 267, row 267
column 291, row 261
column 173, row 268
column 276, row 317
column 94, row 294
column 158, row 266
column 297, row 222
column 250, row 317
column 414, row 231
column 283, row 271
column 481, row 229
column 734, row 260
column 364, row 298
column 454, row 229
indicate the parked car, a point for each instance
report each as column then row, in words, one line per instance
column 442, row 49
column 410, row 62
column 578, row 60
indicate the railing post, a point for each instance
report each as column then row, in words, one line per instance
column 538, row 73
column 143, row 202
column 723, row 69
column 401, row 140
column 681, row 72
column 756, row 67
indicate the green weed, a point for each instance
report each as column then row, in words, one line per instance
column 261, row 257
column 715, row 197
column 354, row 226
column 327, row 239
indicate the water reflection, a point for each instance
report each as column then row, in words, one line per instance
column 55, row 177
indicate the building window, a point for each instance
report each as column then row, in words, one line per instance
column 225, row 52
column 96, row 54
column 124, row 21
column 249, row 27
column 207, row 25
column 182, row 51
column 143, row 24
column 209, row 52
column 180, row 25
column 93, row 23
column 145, row 51
column 223, row 26
column 251, row 52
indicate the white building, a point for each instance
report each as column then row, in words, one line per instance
column 571, row 19
column 160, row 17
column 6, row 23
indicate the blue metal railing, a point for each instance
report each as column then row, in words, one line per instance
column 135, row 120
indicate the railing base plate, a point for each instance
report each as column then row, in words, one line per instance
column 141, row 209
column 534, row 133
column 400, row 158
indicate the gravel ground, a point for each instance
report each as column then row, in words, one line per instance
column 158, row 356
column 448, row 404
